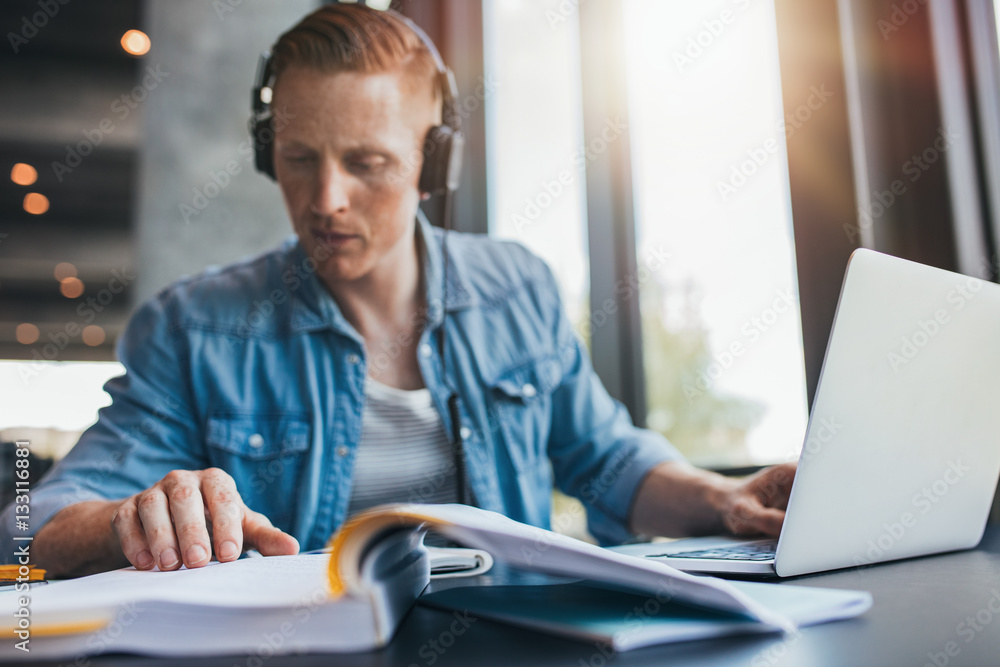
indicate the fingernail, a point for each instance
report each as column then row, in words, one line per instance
column 168, row 557
column 196, row 553
column 228, row 551
column 144, row 560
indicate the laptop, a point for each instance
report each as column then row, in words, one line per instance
column 901, row 455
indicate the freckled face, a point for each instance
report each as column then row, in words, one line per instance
column 348, row 162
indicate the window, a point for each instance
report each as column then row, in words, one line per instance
column 51, row 403
column 534, row 140
column 723, row 359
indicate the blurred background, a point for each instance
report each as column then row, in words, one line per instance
column 696, row 175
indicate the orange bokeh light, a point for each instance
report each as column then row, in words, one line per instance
column 136, row 42
column 64, row 270
column 26, row 333
column 35, row 203
column 71, row 287
column 92, row 335
column 23, row 174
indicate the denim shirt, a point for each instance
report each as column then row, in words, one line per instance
column 252, row 368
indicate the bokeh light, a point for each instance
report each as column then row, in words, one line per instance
column 23, row 174
column 71, row 287
column 136, row 42
column 92, row 335
column 35, row 203
column 64, row 270
column 26, row 333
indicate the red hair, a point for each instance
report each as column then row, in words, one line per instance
column 355, row 38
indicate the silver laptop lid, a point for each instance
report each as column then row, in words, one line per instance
column 902, row 451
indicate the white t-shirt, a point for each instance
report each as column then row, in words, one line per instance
column 404, row 454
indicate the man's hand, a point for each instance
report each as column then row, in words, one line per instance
column 757, row 505
column 167, row 525
column 678, row 500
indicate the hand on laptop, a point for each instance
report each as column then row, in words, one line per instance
column 757, row 505
column 169, row 524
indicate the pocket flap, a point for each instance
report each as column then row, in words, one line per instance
column 530, row 380
column 259, row 436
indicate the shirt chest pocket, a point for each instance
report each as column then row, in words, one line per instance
column 265, row 455
column 522, row 409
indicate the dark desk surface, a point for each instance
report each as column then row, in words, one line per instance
column 921, row 606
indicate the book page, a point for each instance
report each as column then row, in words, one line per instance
column 540, row 550
column 275, row 581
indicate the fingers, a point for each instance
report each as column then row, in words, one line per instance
column 187, row 509
column 154, row 515
column 758, row 505
column 773, row 485
column 226, row 510
column 747, row 516
column 126, row 526
column 767, row 520
column 186, row 516
column 262, row 535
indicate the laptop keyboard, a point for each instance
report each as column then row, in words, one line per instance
column 755, row 551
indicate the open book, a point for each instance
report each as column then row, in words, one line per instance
column 350, row 600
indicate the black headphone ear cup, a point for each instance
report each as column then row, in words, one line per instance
column 437, row 149
column 263, row 146
column 442, row 160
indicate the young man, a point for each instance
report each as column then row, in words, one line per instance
column 264, row 402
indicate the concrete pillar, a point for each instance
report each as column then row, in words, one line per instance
column 203, row 59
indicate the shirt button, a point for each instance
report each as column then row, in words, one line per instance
column 529, row 390
column 256, row 440
column 353, row 359
column 425, row 350
column 465, row 432
column 343, row 451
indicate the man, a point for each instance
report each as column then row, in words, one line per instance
column 258, row 403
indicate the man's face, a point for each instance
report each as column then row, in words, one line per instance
column 348, row 163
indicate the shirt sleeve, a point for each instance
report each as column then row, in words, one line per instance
column 148, row 430
column 597, row 454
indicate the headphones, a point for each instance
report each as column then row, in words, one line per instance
column 443, row 144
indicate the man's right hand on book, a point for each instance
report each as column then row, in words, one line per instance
column 186, row 516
